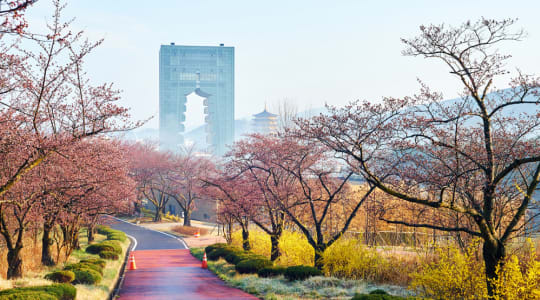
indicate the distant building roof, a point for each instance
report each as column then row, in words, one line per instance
column 265, row 114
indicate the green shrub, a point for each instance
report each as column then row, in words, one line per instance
column 252, row 266
column 371, row 296
column 214, row 254
column 234, row 257
column 112, row 234
column 271, row 271
column 64, row 276
column 86, row 276
column 96, row 261
column 218, row 252
column 102, row 229
column 61, row 291
column 378, row 292
column 116, row 247
column 29, row 296
column 108, row 255
column 117, row 236
column 301, row 272
column 112, row 246
column 81, row 265
column 94, row 248
column 209, row 249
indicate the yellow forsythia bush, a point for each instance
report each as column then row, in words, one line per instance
column 519, row 280
column 453, row 275
column 295, row 250
column 173, row 218
column 350, row 258
column 457, row 275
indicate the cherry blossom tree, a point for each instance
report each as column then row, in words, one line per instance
column 48, row 101
column 470, row 157
column 321, row 188
column 12, row 16
column 254, row 158
column 237, row 195
column 186, row 180
column 151, row 170
column 85, row 182
column 47, row 104
column 17, row 216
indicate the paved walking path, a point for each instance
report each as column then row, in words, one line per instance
column 166, row 270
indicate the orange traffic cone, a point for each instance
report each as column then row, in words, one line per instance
column 197, row 234
column 132, row 265
column 204, row 262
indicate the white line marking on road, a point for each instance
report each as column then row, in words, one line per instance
column 134, row 242
column 167, row 234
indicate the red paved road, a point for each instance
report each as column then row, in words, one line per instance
column 174, row 274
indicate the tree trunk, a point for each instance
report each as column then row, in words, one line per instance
column 76, row 243
column 274, row 252
column 493, row 253
column 319, row 250
column 157, row 215
column 90, row 232
column 187, row 218
column 46, row 243
column 245, row 239
column 228, row 232
column 14, row 260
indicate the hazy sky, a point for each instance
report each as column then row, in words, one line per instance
column 309, row 52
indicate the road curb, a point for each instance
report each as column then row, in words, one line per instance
column 120, row 280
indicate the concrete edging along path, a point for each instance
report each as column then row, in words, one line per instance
column 167, row 270
column 120, row 280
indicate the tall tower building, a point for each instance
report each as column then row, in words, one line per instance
column 209, row 73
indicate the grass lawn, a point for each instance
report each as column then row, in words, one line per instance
column 319, row 287
column 91, row 292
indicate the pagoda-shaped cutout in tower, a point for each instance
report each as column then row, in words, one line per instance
column 265, row 122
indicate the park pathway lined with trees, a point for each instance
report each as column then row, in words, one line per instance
column 167, row 270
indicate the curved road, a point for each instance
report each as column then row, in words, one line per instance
column 167, row 270
column 148, row 239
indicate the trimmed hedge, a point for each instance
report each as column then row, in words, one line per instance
column 301, row 272
column 224, row 251
column 112, row 234
column 29, row 296
column 96, row 261
column 112, row 246
column 378, row 292
column 217, row 253
column 209, row 248
column 234, row 257
column 117, row 248
column 64, row 276
column 271, row 271
column 61, row 291
column 86, row 276
column 252, row 266
column 377, row 297
column 81, row 265
column 108, row 255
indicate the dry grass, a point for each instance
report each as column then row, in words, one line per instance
column 189, row 230
column 31, row 255
column 90, row 292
